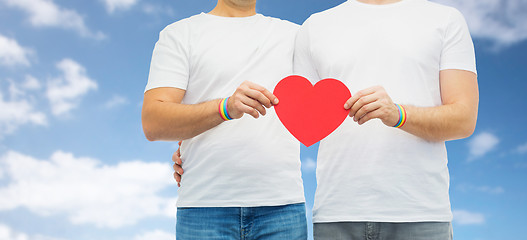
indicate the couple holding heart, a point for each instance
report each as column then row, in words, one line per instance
column 382, row 174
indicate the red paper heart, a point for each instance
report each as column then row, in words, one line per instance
column 311, row 113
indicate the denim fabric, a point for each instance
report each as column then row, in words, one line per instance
column 244, row 223
column 383, row 231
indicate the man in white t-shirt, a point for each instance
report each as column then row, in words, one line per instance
column 410, row 66
column 242, row 177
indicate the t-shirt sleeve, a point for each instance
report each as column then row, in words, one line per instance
column 303, row 61
column 170, row 66
column 458, row 48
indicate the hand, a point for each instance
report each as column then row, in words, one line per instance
column 250, row 98
column 178, row 169
column 373, row 103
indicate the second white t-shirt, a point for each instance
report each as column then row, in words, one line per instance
column 245, row 162
column 374, row 172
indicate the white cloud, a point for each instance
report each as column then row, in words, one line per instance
column 501, row 21
column 17, row 108
column 31, row 83
column 12, row 54
column 65, row 92
column 86, row 190
column 114, row 5
column 45, row 13
column 464, row 217
column 483, row 189
column 6, row 233
column 309, row 165
column 16, row 111
column 157, row 9
column 156, row 235
column 522, row 149
column 14, row 90
column 115, row 101
column 491, row 190
column 481, row 144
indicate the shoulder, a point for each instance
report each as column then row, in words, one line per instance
column 440, row 9
column 331, row 12
column 182, row 25
column 326, row 15
column 282, row 28
column 436, row 6
column 282, row 23
column 438, row 14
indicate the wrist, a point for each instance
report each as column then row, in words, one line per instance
column 402, row 116
column 223, row 109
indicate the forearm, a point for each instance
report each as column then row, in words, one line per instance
column 165, row 118
column 454, row 119
column 441, row 123
column 171, row 121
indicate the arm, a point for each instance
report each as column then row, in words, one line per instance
column 454, row 119
column 164, row 117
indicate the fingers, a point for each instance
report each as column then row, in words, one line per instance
column 365, row 110
column 176, row 157
column 178, row 179
column 364, row 105
column 253, row 104
column 178, row 153
column 178, row 171
column 268, row 95
column 372, row 103
column 369, row 116
column 351, row 101
column 252, row 99
column 246, row 109
column 359, row 95
column 264, row 96
column 178, row 162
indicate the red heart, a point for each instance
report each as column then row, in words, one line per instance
column 311, row 113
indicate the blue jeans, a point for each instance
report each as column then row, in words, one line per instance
column 244, row 223
column 382, row 231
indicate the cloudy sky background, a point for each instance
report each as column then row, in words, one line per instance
column 74, row 163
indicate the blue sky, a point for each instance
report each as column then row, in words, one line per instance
column 74, row 163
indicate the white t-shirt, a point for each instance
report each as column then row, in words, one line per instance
column 374, row 172
column 245, row 162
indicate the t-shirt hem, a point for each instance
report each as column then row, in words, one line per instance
column 457, row 67
column 258, row 203
column 383, row 219
column 150, row 87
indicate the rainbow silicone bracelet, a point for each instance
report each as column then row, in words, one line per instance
column 222, row 108
column 402, row 116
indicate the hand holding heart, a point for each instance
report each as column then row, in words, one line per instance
column 372, row 103
column 311, row 113
column 250, row 98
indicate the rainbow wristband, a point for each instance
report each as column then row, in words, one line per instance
column 222, row 108
column 402, row 116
